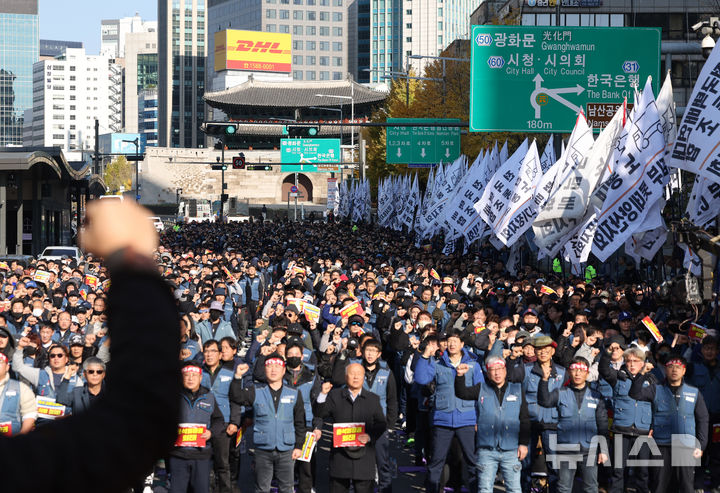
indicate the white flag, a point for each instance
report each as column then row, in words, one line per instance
column 523, row 206
column 666, row 109
column 704, row 203
column 692, row 260
column 496, row 196
column 548, row 156
column 637, row 181
column 697, row 146
column 564, row 190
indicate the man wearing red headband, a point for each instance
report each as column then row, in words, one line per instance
column 503, row 429
column 279, row 429
column 581, row 417
column 18, row 409
column 680, row 426
column 189, row 463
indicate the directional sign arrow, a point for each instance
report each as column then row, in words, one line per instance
column 447, row 152
column 399, row 152
column 422, row 152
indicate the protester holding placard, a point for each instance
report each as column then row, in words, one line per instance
column 353, row 404
column 200, row 418
column 18, row 410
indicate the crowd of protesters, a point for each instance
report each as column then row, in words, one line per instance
column 550, row 379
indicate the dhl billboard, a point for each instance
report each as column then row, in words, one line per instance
column 252, row 50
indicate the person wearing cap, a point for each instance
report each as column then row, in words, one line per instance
column 581, row 417
column 279, row 427
column 217, row 376
column 679, row 428
column 543, row 420
column 704, row 373
column 80, row 398
column 625, row 326
column 215, row 327
column 189, row 466
column 352, row 404
column 451, row 416
column 503, row 424
column 632, row 419
column 17, row 402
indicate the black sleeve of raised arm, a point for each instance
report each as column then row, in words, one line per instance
column 299, row 421
column 392, row 401
column 545, row 397
column 702, row 422
column 133, row 423
column 524, row 436
column 640, row 392
column 607, row 372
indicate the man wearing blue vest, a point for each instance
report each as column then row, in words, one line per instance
column 17, row 403
column 450, row 416
column 705, row 375
column 189, row 466
column 279, row 429
column 543, row 420
column 217, row 376
column 581, row 417
column 503, row 425
column 631, row 419
column 302, row 377
column 680, row 425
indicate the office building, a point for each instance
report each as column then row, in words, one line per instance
column 113, row 33
column 148, row 116
column 141, row 73
column 319, row 28
column 182, row 48
column 52, row 48
column 70, row 92
column 19, row 47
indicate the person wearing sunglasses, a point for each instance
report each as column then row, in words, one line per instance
column 80, row 398
column 44, row 380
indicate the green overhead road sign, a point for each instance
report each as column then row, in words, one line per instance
column 431, row 144
column 536, row 79
column 298, row 155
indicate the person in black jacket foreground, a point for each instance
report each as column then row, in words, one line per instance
column 134, row 422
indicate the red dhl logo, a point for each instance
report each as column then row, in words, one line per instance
column 260, row 47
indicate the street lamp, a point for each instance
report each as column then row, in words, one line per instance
column 137, row 166
column 352, row 109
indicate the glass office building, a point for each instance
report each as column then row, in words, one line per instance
column 19, row 49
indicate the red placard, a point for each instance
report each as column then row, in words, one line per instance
column 716, row 433
column 6, row 428
column 345, row 434
column 190, row 435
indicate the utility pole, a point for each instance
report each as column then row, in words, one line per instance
column 296, row 195
column 222, row 181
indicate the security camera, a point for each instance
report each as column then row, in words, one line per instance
column 217, row 158
column 696, row 27
column 708, row 44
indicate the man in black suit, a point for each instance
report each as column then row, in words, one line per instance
column 352, row 404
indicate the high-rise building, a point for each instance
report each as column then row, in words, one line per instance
column 319, row 28
column 141, row 73
column 387, row 32
column 182, row 48
column 114, row 31
column 148, row 116
column 19, row 46
column 70, row 92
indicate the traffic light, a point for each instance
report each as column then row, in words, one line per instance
column 224, row 197
column 238, row 162
column 219, row 167
column 295, row 131
column 219, row 129
column 259, row 167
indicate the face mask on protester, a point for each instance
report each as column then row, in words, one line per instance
column 214, row 316
column 293, row 361
column 37, row 312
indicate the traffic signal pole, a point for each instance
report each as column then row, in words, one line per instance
column 222, row 180
column 296, row 194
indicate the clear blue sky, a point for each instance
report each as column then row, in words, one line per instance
column 79, row 20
